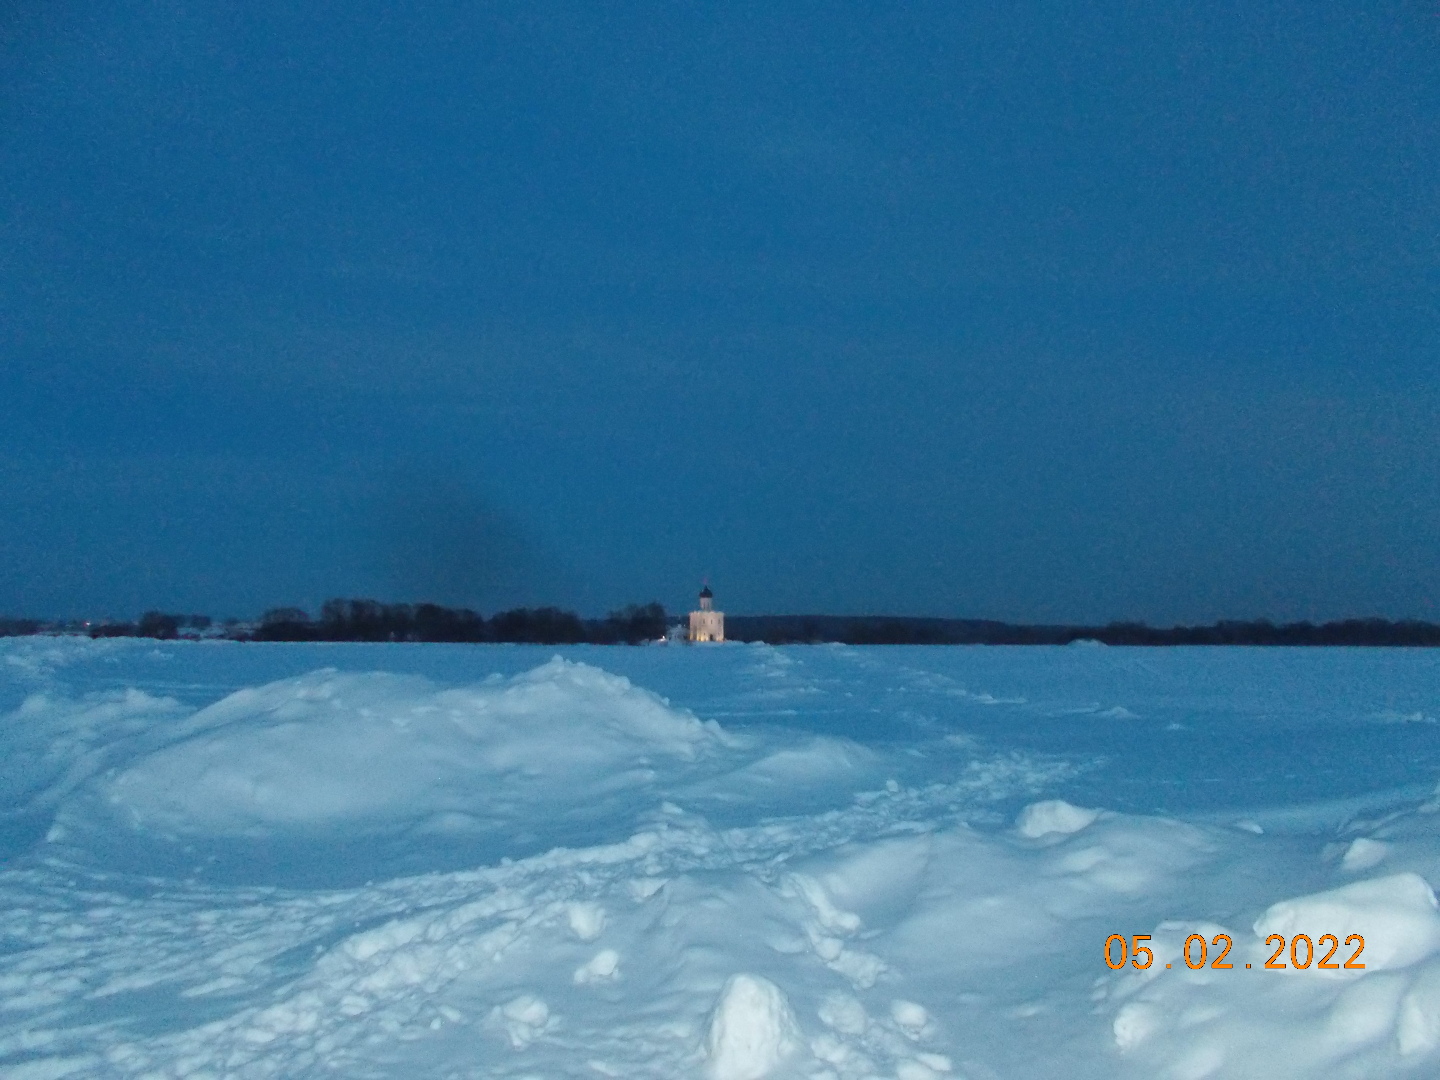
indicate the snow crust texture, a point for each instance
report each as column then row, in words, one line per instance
column 726, row 864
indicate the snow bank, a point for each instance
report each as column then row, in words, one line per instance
column 909, row 951
column 943, row 914
column 54, row 743
column 330, row 752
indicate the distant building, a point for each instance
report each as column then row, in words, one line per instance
column 707, row 624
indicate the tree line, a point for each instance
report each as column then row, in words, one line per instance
column 901, row 630
column 370, row 620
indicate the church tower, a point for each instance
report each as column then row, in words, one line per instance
column 707, row 624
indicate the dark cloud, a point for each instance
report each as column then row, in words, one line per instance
column 439, row 541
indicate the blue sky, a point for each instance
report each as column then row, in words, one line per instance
column 1039, row 311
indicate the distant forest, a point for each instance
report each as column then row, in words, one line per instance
column 902, row 630
column 369, row 620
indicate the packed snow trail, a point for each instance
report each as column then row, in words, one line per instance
column 549, row 870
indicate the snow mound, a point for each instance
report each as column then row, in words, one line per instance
column 355, row 754
column 523, row 1019
column 1263, row 1017
column 752, row 1029
column 1397, row 916
column 1053, row 816
column 603, row 965
column 1363, row 854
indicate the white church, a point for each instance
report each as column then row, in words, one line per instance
column 707, row 624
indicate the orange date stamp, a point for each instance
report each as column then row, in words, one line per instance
column 1195, row 955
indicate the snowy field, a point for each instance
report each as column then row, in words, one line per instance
column 231, row 860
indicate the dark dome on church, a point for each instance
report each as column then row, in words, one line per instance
column 706, row 594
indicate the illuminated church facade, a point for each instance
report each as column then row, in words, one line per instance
column 707, row 624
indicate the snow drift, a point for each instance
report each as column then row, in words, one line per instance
column 354, row 751
column 942, row 913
